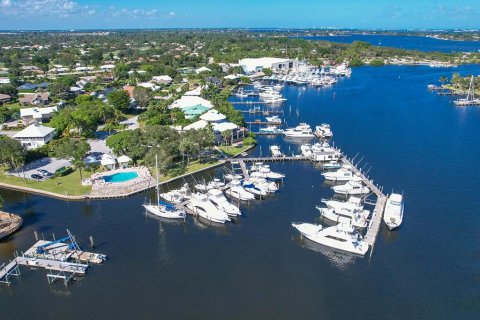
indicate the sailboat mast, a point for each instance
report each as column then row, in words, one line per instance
column 158, row 188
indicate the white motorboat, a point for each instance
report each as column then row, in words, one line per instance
column 218, row 199
column 353, row 203
column 178, row 195
column 332, row 165
column 232, row 176
column 306, row 150
column 393, row 215
column 342, row 236
column 323, row 131
column 356, row 217
column 271, row 130
column 352, row 187
column 275, row 150
column 274, row 119
column 262, row 183
column 201, row 205
column 238, row 192
column 303, row 130
column 162, row 209
column 251, row 187
column 343, row 174
column 265, row 172
column 214, row 184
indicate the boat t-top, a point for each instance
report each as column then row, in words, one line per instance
column 275, row 150
column 218, row 199
column 393, row 215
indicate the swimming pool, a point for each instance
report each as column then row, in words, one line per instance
column 121, row 176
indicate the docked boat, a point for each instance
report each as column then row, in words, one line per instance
column 201, row 205
column 265, row 172
column 306, row 150
column 342, row 236
column 303, row 130
column 238, row 192
column 275, row 150
column 162, row 209
column 353, row 203
column 470, row 99
column 262, row 183
column 274, row 119
column 253, row 189
column 323, row 131
column 218, row 199
column 214, row 184
column 332, row 165
column 352, row 187
column 178, row 195
column 343, row 174
column 271, row 130
column 393, row 215
column 232, row 176
column 350, row 214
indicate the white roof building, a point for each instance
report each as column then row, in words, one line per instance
column 202, row 69
column 149, row 85
column 190, row 101
column 195, row 92
column 200, row 124
column 224, row 126
column 107, row 67
column 252, row 65
column 29, row 115
column 35, row 136
column 4, row 80
column 107, row 160
column 213, row 116
column 162, row 79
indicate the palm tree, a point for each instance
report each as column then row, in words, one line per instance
column 226, row 135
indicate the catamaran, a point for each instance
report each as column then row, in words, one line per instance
column 393, row 215
column 342, row 236
column 162, row 209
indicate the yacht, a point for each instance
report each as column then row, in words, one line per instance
column 232, row 176
column 303, row 130
column 265, row 172
column 162, row 209
column 352, row 202
column 306, row 150
column 238, row 192
column 271, row 130
column 262, row 183
column 204, row 187
column 342, row 236
column 275, row 150
column 332, row 165
column 201, row 205
column 253, row 189
column 218, row 199
column 323, row 131
column 274, row 119
column 346, row 214
column 393, row 215
column 343, row 174
column 178, row 195
column 352, row 187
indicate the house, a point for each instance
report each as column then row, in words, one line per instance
column 213, row 116
column 4, row 98
column 195, row 92
column 200, row 124
column 36, row 115
column 31, row 86
column 250, row 65
column 35, row 136
column 107, row 67
column 202, row 69
column 215, row 81
column 165, row 80
column 108, row 161
column 189, row 101
column 194, row 111
column 35, row 99
column 4, row 80
column 149, row 85
column 124, row 161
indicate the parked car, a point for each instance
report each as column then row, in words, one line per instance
column 36, row 176
column 45, row 173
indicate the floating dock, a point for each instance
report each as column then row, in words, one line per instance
column 63, row 259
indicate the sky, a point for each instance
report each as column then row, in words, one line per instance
column 122, row 14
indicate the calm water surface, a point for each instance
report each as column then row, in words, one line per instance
column 406, row 42
column 414, row 140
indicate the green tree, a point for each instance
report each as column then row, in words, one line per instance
column 119, row 99
column 75, row 149
column 227, row 136
column 142, row 96
column 12, row 152
column 164, row 159
column 9, row 89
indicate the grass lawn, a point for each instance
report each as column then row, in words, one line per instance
column 70, row 183
column 193, row 166
column 232, row 151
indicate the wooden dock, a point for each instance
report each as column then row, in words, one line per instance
column 247, row 102
column 264, row 112
column 268, row 159
column 264, row 123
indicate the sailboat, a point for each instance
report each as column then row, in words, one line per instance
column 163, row 209
column 470, row 100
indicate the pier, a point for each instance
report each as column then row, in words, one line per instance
column 264, row 112
column 264, row 123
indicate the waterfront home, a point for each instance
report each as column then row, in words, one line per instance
column 198, row 125
column 4, row 98
column 108, row 161
column 35, row 99
column 214, row 81
column 36, row 115
column 253, row 65
column 213, row 116
column 124, row 161
column 194, row 111
column 192, row 106
column 35, row 136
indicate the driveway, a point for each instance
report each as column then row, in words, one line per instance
column 99, row 144
column 49, row 164
column 131, row 123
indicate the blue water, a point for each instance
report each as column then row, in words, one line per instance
column 415, row 141
column 121, row 176
column 406, row 42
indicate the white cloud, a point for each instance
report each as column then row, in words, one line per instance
column 5, row 3
column 171, row 13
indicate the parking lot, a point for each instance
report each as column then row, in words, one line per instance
column 49, row 164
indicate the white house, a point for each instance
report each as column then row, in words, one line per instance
column 37, row 115
column 165, row 80
column 124, row 161
column 195, row 92
column 202, row 69
column 108, row 161
column 35, row 136
column 190, row 101
column 4, row 80
column 252, row 65
column 213, row 116
column 107, row 67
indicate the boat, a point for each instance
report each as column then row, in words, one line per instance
column 303, row 130
column 275, row 150
column 201, row 205
column 393, row 214
column 274, row 119
column 241, row 93
column 163, row 209
column 238, row 192
column 271, row 130
column 178, row 195
column 352, row 202
column 265, row 172
column 352, row 187
column 348, row 213
column 342, row 236
column 343, row 174
column 323, row 131
column 218, row 199
column 204, row 187
column 232, row 176
column 470, row 99
column 262, row 183
column 332, row 165
column 306, row 150
column 251, row 187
